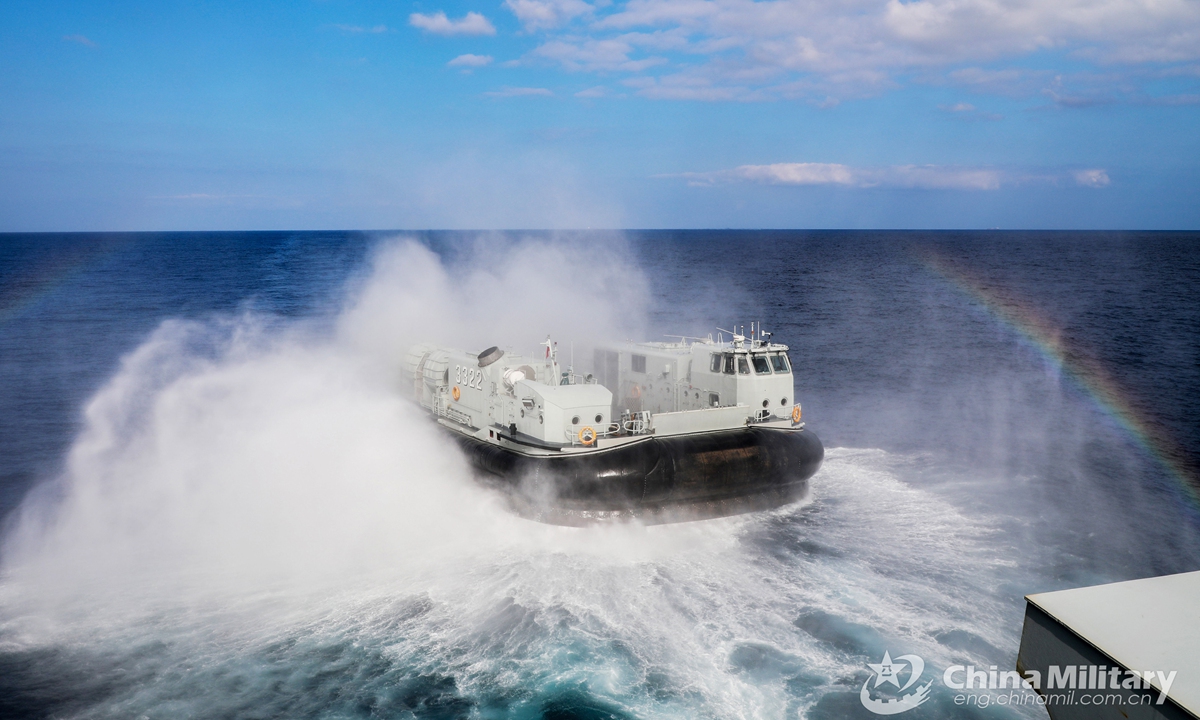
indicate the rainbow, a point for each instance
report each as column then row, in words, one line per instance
column 49, row 270
column 1044, row 336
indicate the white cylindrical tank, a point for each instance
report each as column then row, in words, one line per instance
column 512, row 376
column 436, row 369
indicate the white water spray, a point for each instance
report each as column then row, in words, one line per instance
column 242, row 452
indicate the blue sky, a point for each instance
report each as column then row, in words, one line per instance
column 611, row 113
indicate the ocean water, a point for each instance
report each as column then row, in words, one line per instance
column 215, row 505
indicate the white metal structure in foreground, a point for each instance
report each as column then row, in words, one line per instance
column 1133, row 649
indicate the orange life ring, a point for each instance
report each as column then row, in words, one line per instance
column 587, row 436
column 456, row 393
column 796, row 413
column 636, row 392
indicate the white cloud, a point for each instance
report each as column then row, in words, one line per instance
column 1112, row 30
column 593, row 55
column 825, row 51
column 933, row 177
column 593, row 92
column 547, row 14
column 688, row 86
column 438, row 24
column 518, row 92
column 795, row 174
column 470, row 61
column 924, row 177
column 1092, row 178
column 1010, row 82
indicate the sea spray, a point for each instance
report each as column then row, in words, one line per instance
column 251, row 450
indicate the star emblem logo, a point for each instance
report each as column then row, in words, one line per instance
column 887, row 671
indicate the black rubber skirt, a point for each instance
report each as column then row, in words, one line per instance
column 669, row 479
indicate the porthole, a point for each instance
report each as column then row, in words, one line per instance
column 766, row 403
column 599, row 418
column 575, row 420
column 783, row 401
column 522, row 413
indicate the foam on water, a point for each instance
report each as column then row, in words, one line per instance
column 759, row 616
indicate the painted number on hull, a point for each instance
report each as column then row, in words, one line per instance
column 470, row 377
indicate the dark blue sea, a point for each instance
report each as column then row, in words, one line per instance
column 216, row 504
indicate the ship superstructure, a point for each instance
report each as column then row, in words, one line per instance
column 700, row 374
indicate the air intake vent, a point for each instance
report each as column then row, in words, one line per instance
column 489, row 356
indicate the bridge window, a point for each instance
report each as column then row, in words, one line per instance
column 728, row 364
column 780, row 363
column 639, row 363
column 743, row 366
column 716, row 363
column 761, row 366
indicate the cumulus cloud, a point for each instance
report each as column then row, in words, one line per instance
column 925, row 177
column 1114, row 30
column 506, row 92
column 547, row 14
column 438, row 24
column 823, row 51
column 470, row 61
